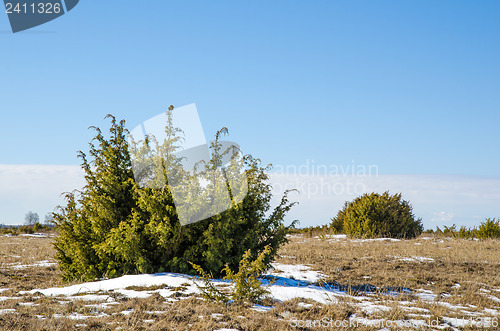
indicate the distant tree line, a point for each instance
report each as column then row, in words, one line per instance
column 31, row 219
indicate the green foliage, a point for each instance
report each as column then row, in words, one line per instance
column 113, row 226
column 208, row 289
column 87, row 246
column 466, row 233
column 37, row 227
column 489, row 229
column 24, row 229
column 450, row 231
column 462, row 233
column 246, row 285
column 337, row 225
column 27, row 229
column 378, row 215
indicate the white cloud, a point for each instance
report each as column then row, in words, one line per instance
column 443, row 217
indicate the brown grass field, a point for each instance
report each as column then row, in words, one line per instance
column 428, row 263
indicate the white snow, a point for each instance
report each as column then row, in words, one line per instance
column 217, row 316
column 96, row 291
column 450, row 306
column 491, row 311
column 494, row 298
column 261, row 308
column 423, row 310
column 285, row 288
column 375, row 239
column 332, row 236
column 77, row 316
column 120, row 284
column 44, row 263
column 284, row 293
column 413, row 258
column 91, row 297
column 139, row 294
column 35, row 235
column 155, row 312
column 305, row 305
column 426, row 295
column 6, row 311
column 9, row 298
column 295, row 271
column 104, row 305
column 371, row 308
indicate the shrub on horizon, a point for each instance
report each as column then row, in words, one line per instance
column 489, row 229
column 114, row 227
column 378, row 215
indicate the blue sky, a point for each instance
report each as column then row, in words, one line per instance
column 411, row 87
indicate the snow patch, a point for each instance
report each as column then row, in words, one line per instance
column 305, row 305
column 296, row 271
column 35, row 235
column 6, row 311
column 375, row 239
column 413, row 258
column 127, row 312
column 120, row 283
column 217, row 316
column 44, row 264
column 425, row 295
column 494, row 298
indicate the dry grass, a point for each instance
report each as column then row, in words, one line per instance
column 25, row 251
column 475, row 265
column 380, row 262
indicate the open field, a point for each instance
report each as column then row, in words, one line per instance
column 365, row 284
